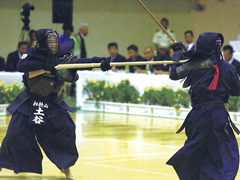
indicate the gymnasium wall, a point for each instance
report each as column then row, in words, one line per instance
column 123, row 21
column 218, row 16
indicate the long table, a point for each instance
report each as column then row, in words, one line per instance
column 10, row 77
column 140, row 81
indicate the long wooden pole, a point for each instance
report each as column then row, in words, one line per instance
column 155, row 19
column 97, row 65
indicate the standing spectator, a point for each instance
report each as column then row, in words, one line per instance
column 133, row 57
column 189, row 41
column 161, row 40
column 79, row 48
column 67, row 31
column 2, row 64
column 228, row 56
column 13, row 58
column 115, row 56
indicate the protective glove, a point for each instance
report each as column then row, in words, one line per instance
column 69, row 75
column 105, row 64
column 177, row 48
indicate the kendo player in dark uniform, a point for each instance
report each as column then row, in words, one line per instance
column 211, row 150
column 39, row 115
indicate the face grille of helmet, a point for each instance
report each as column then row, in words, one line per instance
column 53, row 41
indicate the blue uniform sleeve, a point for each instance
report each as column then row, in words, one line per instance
column 173, row 74
column 85, row 60
column 29, row 63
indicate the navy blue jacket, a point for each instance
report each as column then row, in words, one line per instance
column 133, row 68
column 236, row 64
column 118, row 58
column 12, row 61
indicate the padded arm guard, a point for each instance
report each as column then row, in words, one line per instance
column 190, row 66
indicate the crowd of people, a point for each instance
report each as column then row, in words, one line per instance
column 162, row 51
column 40, row 117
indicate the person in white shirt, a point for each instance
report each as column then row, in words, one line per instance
column 189, row 40
column 160, row 39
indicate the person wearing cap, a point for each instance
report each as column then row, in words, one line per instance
column 79, row 49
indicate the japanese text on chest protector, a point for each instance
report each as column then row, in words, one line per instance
column 39, row 112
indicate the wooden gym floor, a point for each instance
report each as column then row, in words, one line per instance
column 115, row 147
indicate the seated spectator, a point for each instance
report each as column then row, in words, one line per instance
column 133, row 57
column 160, row 38
column 115, row 57
column 13, row 58
column 2, row 64
column 189, row 41
column 149, row 56
column 228, row 56
column 67, row 31
column 158, row 68
column 32, row 39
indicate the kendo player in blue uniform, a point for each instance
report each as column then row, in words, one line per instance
column 39, row 115
column 211, row 150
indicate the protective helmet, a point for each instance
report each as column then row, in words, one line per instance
column 48, row 38
column 207, row 44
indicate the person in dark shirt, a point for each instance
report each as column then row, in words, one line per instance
column 228, row 56
column 115, row 56
column 67, row 31
column 2, row 64
column 13, row 58
column 133, row 57
column 188, row 35
column 158, row 68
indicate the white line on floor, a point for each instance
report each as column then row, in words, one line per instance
column 133, row 159
column 132, row 142
column 124, row 155
column 128, row 169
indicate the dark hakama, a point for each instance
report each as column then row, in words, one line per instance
column 211, row 150
column 20, row 150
